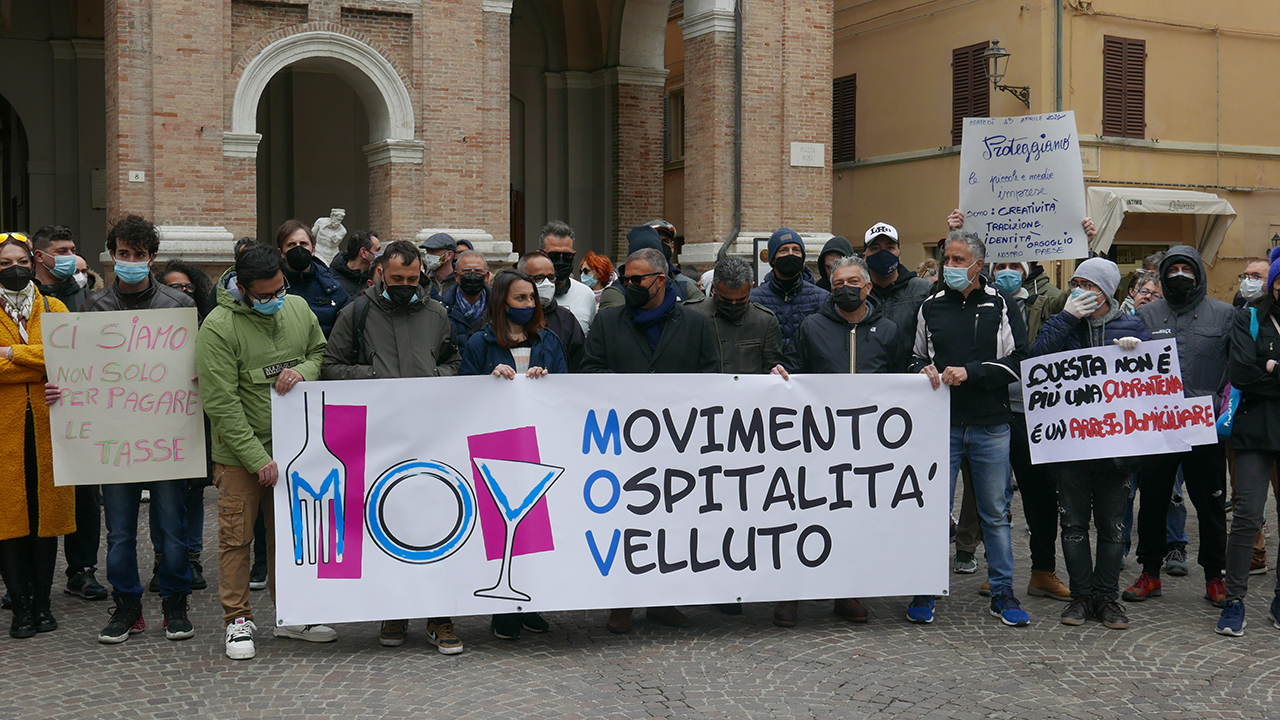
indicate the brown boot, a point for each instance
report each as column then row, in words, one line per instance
column 619, row 620
column 785, row 613
column 669, row 616
column 851, row 609
column 1045, row 583
column 1258, row 565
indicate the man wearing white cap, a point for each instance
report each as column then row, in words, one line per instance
column 895, row 290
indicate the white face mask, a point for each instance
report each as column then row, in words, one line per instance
column 430, row 263
column 81, row 279
column 1250, row 288
column 546, row 291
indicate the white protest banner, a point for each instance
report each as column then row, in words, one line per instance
column 476, row 495
column 130, row 411
column 1106, row 403
column 1022, row 186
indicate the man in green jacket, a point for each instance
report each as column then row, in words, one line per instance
column 245, row 348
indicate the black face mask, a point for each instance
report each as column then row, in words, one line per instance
column 471, row 284
column 298, row 258
column 847, row 298
column 16, row 277
column 1178, row 287
column 733, row 312
column 637, row 296
column 788, row 266
column 402, row 295
column 563, row 263
column 666, row 251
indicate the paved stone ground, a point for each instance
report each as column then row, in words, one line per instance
column 1170, row 664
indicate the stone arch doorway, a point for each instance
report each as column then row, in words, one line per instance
column 392, row 154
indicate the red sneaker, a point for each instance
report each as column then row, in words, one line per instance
column 1215, row 591
column 139, row 626
column 1145, row 587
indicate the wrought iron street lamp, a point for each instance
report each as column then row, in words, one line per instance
column 997, row 62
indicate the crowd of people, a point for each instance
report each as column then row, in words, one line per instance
column 280, row 316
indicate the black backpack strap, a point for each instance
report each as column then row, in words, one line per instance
column 360, row 314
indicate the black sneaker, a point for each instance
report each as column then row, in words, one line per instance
column 1110, row 613
column 197, row 574
column 124, row 621
column 258, row 575
column 1077, row 611
column 84, row 584
column 176, row 624
column 534, row 623
column 506, row 627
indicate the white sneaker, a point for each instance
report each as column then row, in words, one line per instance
column 310, row 633
column 240, row 639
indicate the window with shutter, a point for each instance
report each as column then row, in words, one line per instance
column 1124, row 87
column 970, row 89
column 844, row 103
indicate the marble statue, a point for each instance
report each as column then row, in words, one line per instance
column 329, row 234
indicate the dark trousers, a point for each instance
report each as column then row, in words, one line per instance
column 81, row 546
column 260, row 538
column 1205, row 472
column 1253, row 476
column 1097, row 489
column 26, row 563
column 1039, row 498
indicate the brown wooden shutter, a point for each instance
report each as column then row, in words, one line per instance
column 1124, row 87
column 970, row 89
column 844, row 102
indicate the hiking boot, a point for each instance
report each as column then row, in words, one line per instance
column 1006, row 607
column 258, row 575
column 1144, row 587
column 154, row 585
column 239, row 641
column 534, row 623
column 442, row 636
column 1045, row 583
column 1215, row 591
column 505, row 627
column 668, row 615
column 920, row 610
column 198, row 581
column 1175, row 562
column 84, row 584
column 43, row 616
column 851, row 609
column 619, row 620
column 1110, row 613
column 965, row 563
column 176, row 625
column 1077, row 611
column 310, row 633
column 125, row 618
column 392, row 633
column 1231, row 622
column 1258, row 565
column 24, row 617
column 785, row 613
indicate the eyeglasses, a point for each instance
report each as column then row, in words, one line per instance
column 561, row 257
column 1077, row 285
column 1147, row 293
column 14, row 236
column 188, row 288
column 638, row 279
column 472, row 274
column 539, row 278
column 1250, row 276
column 284, row 290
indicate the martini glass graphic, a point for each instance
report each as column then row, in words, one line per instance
column 516, row 487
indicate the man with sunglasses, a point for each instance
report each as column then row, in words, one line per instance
column 133, row 243
column 266, row 340
column 556, row 241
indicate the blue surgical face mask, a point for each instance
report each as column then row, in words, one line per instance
column 589, row 279
column 132, row 273
column 64, row 266
column 1077, row 292
column 1009, row 281
column 268, row 307
column 956, row 278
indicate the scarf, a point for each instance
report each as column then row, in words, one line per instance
column 650, row 321
column 18, row 306
column 1097, row 326
column 471, row 311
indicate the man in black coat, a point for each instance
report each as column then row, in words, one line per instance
column 652, row 333
column 560, row 320
column 749, row 340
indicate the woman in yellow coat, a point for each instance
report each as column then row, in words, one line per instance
column 33, row 513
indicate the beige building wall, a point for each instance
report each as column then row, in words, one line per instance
column 1209, row 109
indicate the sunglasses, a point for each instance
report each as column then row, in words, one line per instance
column 14, row 236
column 638, row 279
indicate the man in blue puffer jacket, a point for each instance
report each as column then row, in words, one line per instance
column 1093, row 488
column 789, row 290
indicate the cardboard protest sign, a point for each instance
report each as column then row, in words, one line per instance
column 130, row 411
column 597, row 491
column 1106, row 403
column 1022, row 186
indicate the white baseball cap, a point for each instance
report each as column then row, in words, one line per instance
column 880, row 229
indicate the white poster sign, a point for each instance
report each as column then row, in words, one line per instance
column 1106, row 403
column 1022, row 186
column 476, row 495
column 130, row 410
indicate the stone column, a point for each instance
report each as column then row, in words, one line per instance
column 636, row 193
column 395, row 187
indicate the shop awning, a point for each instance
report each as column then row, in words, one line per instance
column 1108, row 206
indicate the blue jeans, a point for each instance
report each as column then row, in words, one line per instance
column 120, row 506
column 987, row 449
column 195, row 523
